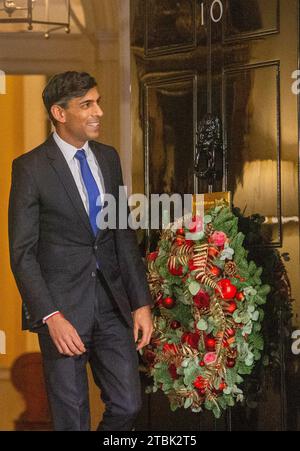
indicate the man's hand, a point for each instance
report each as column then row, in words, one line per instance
column 65, row 336
column 142, row 320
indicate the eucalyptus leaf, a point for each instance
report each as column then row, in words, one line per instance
column 255, row 316
column 188, row 403
column 217, row 412
column 249, row 362
column 197, row 236
column 202, row 325
column 194, row 288
column 228, row 391
column 251, row 309
column 196, row 409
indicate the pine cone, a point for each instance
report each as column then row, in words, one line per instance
column 230, row 269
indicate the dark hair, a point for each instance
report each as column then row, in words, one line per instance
column 66, row 86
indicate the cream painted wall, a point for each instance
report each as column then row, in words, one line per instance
column 12, row 144
column 22, row 127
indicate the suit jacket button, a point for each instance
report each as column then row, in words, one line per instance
column 93, row 274
column 96, row 247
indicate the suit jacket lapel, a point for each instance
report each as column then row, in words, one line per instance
column 62, row 169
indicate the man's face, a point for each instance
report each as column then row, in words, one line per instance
column 82, row 117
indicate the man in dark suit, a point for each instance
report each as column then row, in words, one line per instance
column 84, row 289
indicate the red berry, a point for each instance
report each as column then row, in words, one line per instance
column 213, row 251
column 230, row 363
column 231, row 307
column 240, row 296
column 222, row 386
column 175, row 325
column 180, row 231
column 215, row 271
column 202, row 363
column 180, row 241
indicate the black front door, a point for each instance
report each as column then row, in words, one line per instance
column 234, row 60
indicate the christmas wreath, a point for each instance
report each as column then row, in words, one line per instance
column 207, row 315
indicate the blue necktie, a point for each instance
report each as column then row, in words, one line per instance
column 91, row 187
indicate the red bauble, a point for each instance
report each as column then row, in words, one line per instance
column 230, row 363
column 231, row 307
column 224, row 283
column 215, row 271
column 168, row 302
column 210, row 344
column 228, row 290
column 240, row 296
column 175, row 325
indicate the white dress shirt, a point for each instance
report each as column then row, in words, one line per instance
column 69, row 153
